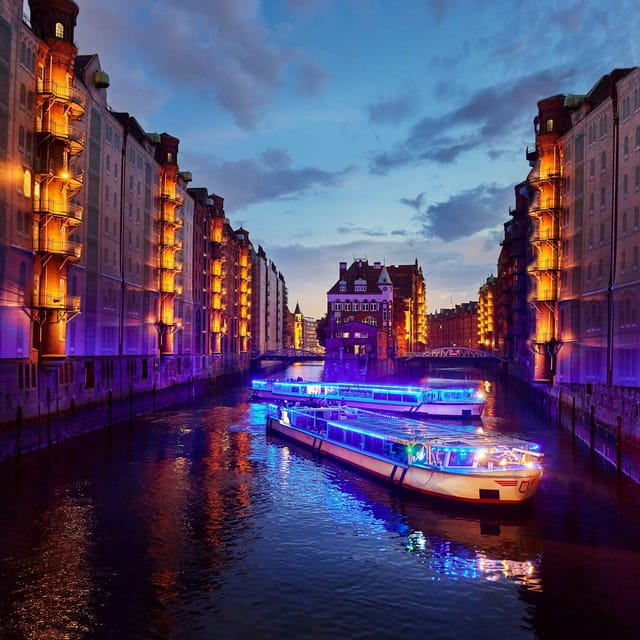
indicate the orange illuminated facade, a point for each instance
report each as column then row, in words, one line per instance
column 57, row 177
column 486, row 315
column 116, row 276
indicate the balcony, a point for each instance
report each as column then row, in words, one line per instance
column 171, row 198
column 70, row 211
column 61, row 93
column 545, row 264
column 74, row 136
column 168, row 218
column 58, row 246
column 545, row 235
column 57, row 301
column 550, row 175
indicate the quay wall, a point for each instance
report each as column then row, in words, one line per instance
column 605, row 419
column 49, row 414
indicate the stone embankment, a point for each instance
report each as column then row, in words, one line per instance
column 50, row 428
column 605, row 418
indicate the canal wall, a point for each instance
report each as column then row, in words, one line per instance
column 52, row 427
column 606, row 419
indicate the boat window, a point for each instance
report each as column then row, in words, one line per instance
column 461, row 459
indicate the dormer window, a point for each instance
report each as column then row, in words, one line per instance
column 59, row 30
column 343, row 286
column 360, row 286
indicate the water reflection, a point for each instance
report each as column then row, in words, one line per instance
column 452, row 541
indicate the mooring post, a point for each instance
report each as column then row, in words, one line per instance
column 18, row 429
column 619, row 444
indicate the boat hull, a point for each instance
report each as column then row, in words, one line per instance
column 490, row 487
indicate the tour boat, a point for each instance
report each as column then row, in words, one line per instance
column 445, row 401
column 454, row 462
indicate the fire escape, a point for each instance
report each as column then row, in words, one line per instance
column 169, row 264
column 544, row 267
column 56, row 216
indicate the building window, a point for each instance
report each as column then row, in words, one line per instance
column 625, row 185
column 59, row 30
column 26, row 183
column 592, row 168
column 549, row 125
column 637, row 137
column 624, row 222
column 626, row 146
column 603, row 162
column 636, row 218
column 601, row 234
column 603, row 197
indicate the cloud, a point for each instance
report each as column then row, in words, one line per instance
column 268, row 178
column 416, row 203
column 392, row 110
column 466, row 213
column 220, row 51
column 486, row 118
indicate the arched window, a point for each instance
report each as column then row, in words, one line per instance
column 592, row 168
column 625, row 185
column 59, row 30
column 626, row 146
column 635, row 258
column 637, row 137
column 603, row 162
column 23, row 54
column 23, row 96
column 624, row 222
column 26, row 183
column 602, row 234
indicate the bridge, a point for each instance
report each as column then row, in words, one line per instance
column 289, row 355
column 453, row 353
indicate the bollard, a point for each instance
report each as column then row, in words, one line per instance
column 619, row 444
column 18, row 429
column 48, row 417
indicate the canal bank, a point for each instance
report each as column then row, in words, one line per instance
column 52, row 427
column 606, row 419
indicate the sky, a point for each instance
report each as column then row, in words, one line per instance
column 390, row 130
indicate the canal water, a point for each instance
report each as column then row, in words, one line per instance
column 195, row 524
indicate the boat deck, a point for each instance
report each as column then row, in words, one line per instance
column 408, row 430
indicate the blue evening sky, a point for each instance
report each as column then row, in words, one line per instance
column 340, row 129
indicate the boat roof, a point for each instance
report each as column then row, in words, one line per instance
column 409, row 431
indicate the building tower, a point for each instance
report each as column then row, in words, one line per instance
column 169, row 244
column 545, row 207
column 297, row 328
column 57, row 179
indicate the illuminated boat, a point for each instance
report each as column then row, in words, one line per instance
column 458, row 463
column 445, row 401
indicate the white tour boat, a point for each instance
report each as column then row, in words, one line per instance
column 458, row 463
column 442, row 400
